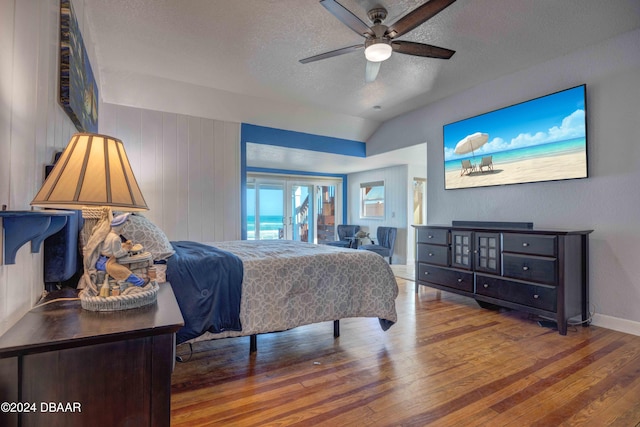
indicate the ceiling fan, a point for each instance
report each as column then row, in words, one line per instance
column 380, row 39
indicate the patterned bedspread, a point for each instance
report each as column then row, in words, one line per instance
column 288, row 284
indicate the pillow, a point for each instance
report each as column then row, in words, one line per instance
column 139, row 229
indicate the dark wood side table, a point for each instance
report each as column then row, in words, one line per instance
column 61, row 365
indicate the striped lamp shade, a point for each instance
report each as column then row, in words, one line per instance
column 93, row 171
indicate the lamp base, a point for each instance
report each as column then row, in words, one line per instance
column 138, row 298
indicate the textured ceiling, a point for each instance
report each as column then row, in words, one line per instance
column 251, row 48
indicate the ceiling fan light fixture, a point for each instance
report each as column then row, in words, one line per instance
column 378, row 50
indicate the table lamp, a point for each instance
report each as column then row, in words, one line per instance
column 93, row 171
column 92, row 174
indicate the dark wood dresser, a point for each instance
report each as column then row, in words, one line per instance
column 513, row 265
column 61, row 365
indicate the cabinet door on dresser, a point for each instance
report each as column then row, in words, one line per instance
column 462, row 249
column 487, row 252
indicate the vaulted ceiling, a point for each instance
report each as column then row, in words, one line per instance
column 238, row 60
column 250, row 49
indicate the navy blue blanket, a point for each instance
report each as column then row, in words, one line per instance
column 207, row 283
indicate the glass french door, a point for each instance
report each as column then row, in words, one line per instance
column 265, row 210
column 300, row 209
column 291, row 209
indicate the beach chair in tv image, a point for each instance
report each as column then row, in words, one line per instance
column 467, row 167
column 487, row 162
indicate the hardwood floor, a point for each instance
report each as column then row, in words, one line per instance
column 446, row 362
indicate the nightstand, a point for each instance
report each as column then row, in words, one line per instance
column 65, row 366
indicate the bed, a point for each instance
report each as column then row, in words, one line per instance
column 245, row 288
column 284, row 284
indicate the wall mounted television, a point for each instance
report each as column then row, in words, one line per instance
column 543, row 139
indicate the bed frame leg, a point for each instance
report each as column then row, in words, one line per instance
column 336, row 328
column 253, row 343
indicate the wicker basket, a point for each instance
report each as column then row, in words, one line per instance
column 145, row 296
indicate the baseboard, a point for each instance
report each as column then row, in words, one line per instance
column 617, row 324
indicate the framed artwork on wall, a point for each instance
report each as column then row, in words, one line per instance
column 543, row 139
column 78, row 88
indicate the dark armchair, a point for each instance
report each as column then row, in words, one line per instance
column 346, row 236
column 386, row 242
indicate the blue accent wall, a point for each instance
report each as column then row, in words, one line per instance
column 304, row 141
column 291, row 139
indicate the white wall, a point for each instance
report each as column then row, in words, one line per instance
column 32, row 127
column 608, row 201
column 188, row 169
column 395, row 180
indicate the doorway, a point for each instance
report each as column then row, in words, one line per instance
column 419, row 201
column 292, row 208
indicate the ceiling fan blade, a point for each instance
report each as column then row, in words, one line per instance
column 347, row 18
column 421, row 49
column 416, row 17
column 332, row 53
column 371, row 71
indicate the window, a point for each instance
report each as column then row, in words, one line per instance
column 372, row 199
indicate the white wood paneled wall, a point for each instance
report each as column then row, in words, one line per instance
column 33, row 127
column 395, row 199
column 188, row 169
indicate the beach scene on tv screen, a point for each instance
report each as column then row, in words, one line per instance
column 543, row 139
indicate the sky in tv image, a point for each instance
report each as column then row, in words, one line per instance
column 498, row 147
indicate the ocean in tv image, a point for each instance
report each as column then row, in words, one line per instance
column 543, row 139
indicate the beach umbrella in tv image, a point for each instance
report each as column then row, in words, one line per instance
column 470, row 143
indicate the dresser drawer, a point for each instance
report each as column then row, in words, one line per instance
column 440, row 276
column 434, row 236
column 529, row 244
column 529, row 267
column 542, row 297
column 433, row 254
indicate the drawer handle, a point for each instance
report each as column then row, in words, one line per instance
column 426, row 273
column 525, row 244
column 536, row 296
column 525, row 268
column 459, row 280
column 430, row 253
column 485, row 286
column 429, row 236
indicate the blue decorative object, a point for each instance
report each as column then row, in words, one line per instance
column 56, row 224
column 61, row 251
column 21, row 227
